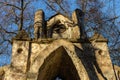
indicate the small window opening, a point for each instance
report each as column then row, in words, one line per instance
column 58, row 78
column 19, row 50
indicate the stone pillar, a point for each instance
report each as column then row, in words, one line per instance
column 39, row 25
column 78, row 19
column 20, row 54
column 103, row 62
column 19, row 61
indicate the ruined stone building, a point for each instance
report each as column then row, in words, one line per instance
column 60, row 49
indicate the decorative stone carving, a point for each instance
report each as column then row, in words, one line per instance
column 65, row 26
column 59, row 26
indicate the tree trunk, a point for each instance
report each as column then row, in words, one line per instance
column 21, row 16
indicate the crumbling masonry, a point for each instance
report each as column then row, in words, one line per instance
column 60, row 49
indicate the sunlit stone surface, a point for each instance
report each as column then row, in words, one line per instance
column 61, row 52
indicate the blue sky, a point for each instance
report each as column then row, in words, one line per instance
column 41, row 5
column 4, row 59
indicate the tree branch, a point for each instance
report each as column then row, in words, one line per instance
column 26, row 5
column 5, row 31
column 7, row 4
column 50, row 6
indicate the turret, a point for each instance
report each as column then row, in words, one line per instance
column 39, row 25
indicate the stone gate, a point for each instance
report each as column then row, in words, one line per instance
column 60, row 48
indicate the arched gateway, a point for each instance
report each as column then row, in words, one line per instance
column 59, row 51
column 58, row 60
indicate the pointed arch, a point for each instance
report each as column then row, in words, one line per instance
column 59, row 55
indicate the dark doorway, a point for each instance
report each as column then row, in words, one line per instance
column 58, row 66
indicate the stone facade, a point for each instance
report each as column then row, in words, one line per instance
column 61, row 50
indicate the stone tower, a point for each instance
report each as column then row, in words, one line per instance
column 60, row 50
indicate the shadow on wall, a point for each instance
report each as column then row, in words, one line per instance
column 89, row 61
column 58, row 66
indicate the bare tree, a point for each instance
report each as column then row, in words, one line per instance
column 15, row 16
